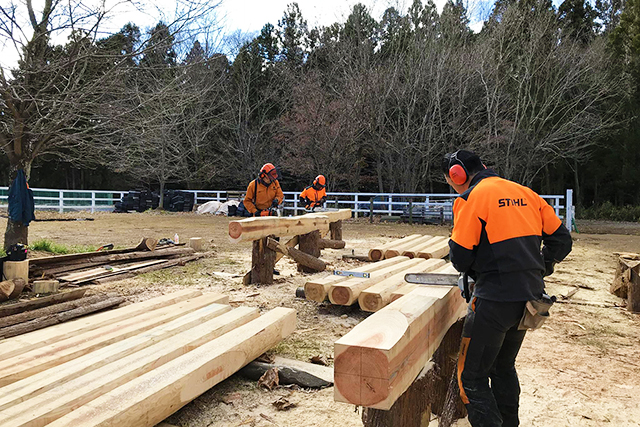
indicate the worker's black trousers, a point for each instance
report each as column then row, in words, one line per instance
column 490, row 343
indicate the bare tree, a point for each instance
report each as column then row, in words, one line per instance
column 60, row 97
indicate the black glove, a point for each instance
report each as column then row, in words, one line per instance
column 258, row 212
column 275, row 203
column 548, row 268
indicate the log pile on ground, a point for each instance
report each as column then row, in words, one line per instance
column 107, row 266
column 413, row 246
column 135, row 365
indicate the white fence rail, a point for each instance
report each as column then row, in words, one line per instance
column 362, row 204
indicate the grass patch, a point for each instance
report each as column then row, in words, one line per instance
column 2, row 253
column 299, row 348
column 46, row 245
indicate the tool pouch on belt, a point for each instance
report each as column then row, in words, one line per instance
column 536, row 312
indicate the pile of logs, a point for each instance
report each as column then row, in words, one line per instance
column 135, row 365
column 413, row 246
column 305, row 231
column 22, row 317
column 107, row 266
column 626, row 283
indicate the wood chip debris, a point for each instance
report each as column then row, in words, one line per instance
column 283, row 404
column 270, row 379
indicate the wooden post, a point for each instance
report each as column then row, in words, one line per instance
column 633, row 299
column 435, row 391
column 371, row 210
column 410, row 212
column 310, row 244
column 336, row 230
column 263, row 260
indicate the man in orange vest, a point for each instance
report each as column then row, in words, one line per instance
column 264, row 193
column 498, row 230
column 314, row 195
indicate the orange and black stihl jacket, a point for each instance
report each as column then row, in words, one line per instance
column 310, row 197
column 498, row 229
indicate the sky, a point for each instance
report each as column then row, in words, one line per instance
column 247, row 16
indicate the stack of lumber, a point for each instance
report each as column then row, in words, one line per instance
column 381, row 357
column 27, row 316
column 133, row 366
column 386, row 278
column 413, row 246
column 107, row 266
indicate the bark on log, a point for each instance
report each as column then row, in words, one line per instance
column 434, row 391
column 332, row 244
column 99, row 258
column 288, row 374
column 300, row 257
column 620, row 285
column 20, row 307
column 40, row 323
column 6, row 289
column 310, row 244
column 48, row 311
column 633, row 300
column 263, row 260
column 336, row 230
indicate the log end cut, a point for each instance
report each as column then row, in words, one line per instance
column 235, row 230
column 315, row 292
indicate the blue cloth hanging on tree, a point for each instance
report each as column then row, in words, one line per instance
column 21, row 204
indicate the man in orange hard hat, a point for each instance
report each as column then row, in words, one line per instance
column 316, row 194
column 264, row 193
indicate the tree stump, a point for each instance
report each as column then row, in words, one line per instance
column 336, row 230
column 263, row 260
column 434, row 391
column 310, row 244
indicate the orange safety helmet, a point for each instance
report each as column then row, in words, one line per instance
column 269, row 170
column 320, row 182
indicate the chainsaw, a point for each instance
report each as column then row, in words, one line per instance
column 435, row 279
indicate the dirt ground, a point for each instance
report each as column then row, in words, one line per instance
column 581, row 369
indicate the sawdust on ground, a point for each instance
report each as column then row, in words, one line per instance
column 581, row 369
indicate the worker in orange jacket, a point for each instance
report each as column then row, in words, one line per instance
column 507, row 238
column 314, row 195
column 264, row 193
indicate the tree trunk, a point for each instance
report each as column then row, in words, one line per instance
column 16, row 232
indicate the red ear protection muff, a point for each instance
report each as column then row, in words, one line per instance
column 457, row 171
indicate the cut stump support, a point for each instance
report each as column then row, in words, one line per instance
column 310, row 244
column 434, row 391
column 263, row 260
column 336, row 230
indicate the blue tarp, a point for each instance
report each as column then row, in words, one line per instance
column 21, row 204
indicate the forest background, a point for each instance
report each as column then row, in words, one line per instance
column 548, row 96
